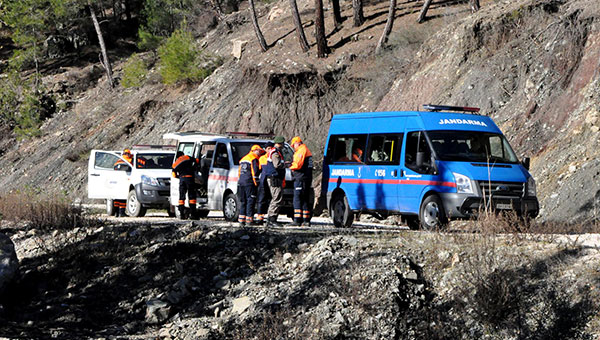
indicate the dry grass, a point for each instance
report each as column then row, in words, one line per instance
column 42, row 211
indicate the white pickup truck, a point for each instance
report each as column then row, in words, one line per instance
column 144, row 184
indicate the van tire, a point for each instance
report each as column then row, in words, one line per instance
column 432, row 215
column 134, row 207
column 172, row 211
column 110, row 208
column 340, row 213
column 231, row 207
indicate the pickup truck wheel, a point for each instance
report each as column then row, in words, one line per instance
column 340, row 212
column 172, row 211
column 134, row 207
column 231, row 207
column 432, row 214
column 110, row 208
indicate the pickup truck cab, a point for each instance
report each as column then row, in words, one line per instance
column 144, row 184
column 217, row 172
column 427, row 166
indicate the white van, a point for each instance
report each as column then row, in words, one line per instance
column 144, row 184
column 217, row 175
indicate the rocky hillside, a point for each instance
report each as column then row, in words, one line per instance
column 531, row 65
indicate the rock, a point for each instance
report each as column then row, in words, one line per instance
column 287, row 257
column 157, row 311
column 412, row 275
column 9, row 263
column 238, row 48
column 241, row 304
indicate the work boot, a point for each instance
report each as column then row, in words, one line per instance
column 306, row 224
column 182, row 214
column 194, row 213
column 272, row 222
column 122, row 212
column 296, row 223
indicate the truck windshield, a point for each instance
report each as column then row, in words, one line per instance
column 154, row 161
column 471, row 146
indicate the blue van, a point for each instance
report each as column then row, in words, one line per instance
column 429, row 167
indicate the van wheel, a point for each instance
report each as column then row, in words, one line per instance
column 231, row 207
column 340, row 212
column 134, row 207
column 110, row 208
column 432, row 214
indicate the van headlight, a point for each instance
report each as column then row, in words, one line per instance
column 463, row 184
column 149, row 181
column 531, row 192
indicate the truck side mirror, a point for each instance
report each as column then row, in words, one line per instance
column 526, row 161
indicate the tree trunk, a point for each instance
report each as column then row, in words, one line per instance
column 474, row 5
column 127, row 10
column 337, row 13
column 359, row 17
column 298, row 24
column 259, row 35
column 388, row 27
column 424, row 11
column 320, row 29
column 105, row 61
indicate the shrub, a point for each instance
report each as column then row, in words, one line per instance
column 22, row 107
column 134, row 72
column 148, row 41
column 180, row 60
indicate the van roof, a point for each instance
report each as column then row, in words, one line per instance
column 208, row 137
column 392, row 121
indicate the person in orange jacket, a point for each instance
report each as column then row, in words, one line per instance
column 264, row 194
column 248, row 173
column 121, row 205
column 184, row 168
column 302, row 168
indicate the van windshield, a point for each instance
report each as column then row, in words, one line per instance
column 471, row 146
column 154, row 161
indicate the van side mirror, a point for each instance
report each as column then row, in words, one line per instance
column 526, row 161
column 420, row 159
column 122, row 167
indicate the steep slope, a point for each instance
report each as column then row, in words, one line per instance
column 531, row 65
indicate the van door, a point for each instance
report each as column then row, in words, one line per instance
column 103, row 180
column 417, row 173
column 380, row 176
column 188, row 149
column 218, row 176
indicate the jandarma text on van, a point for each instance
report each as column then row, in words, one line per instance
column 462, row 121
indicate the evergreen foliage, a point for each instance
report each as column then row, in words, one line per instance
column 135, row 71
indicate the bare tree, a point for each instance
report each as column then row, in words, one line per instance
column 337, row 13
column 320, row 29
column 104, row 60
column 474, row 5
column 388, row 27
column 259, row 35
column 298, row 24
column 424, row 11
column 359, row 17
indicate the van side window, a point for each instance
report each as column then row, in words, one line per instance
column 186, row 148
column 221, row 156
column 384, row 149
column 418, row 148
column 347, row 149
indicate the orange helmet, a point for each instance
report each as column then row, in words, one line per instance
column 256, row 147
column 296, row 140
column 126, row 152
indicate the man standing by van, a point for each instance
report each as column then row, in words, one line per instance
column 184, row 168
column 248, row 172
column 302, row 167
column 274, row 171
column 264, row 194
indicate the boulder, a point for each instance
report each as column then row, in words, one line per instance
column 9, row 264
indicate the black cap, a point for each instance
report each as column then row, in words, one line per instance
column 269, row 145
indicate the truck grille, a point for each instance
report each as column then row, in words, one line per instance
column 501, row 189
column 165, row 182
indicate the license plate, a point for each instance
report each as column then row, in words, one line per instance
column 504, row 206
